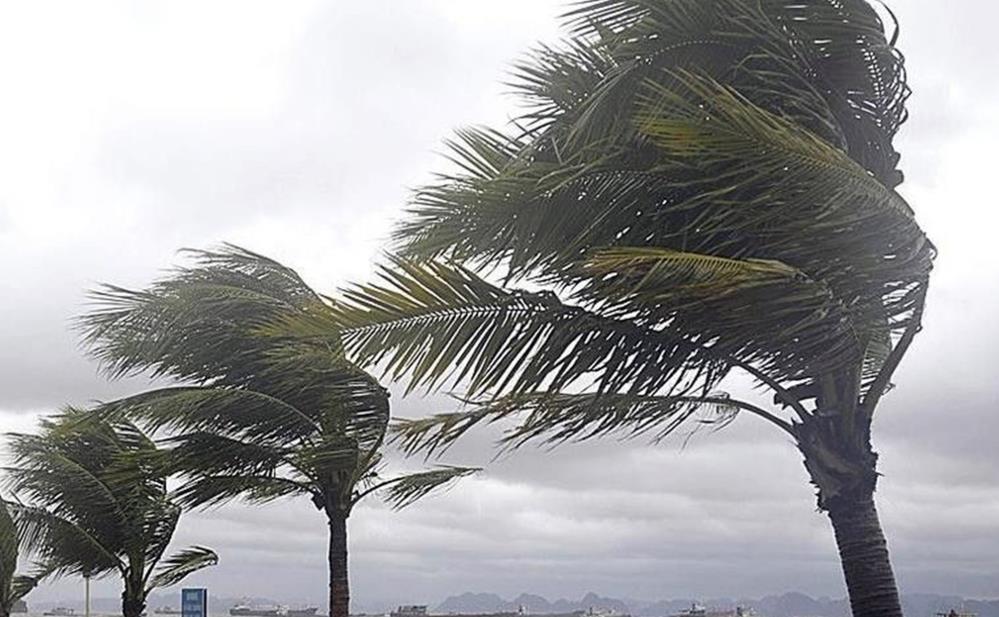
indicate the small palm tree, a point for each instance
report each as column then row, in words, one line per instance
column 263, row 417
column 13, row 586
column 698, row 188
column 94, row 504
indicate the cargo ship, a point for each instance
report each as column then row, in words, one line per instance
column 701, row 611
column 246, row 611
column 272, row 611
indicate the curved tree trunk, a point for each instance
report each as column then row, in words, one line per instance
column 845, row 473
column 339, row 583
column 863, row 552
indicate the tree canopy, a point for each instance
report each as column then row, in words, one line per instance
column 93, row 502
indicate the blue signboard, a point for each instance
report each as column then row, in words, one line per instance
column 194, row 602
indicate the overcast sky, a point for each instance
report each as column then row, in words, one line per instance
column 296, row 129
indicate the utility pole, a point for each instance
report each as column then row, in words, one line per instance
column 86, row 584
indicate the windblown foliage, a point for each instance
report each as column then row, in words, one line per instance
column 91, row 502
column 695, row 187
column 264, row 417
column 259, row 416
column 13, row 586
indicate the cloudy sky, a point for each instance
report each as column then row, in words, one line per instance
column 129, row 130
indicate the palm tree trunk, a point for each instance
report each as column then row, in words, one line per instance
column 845, row 473
column 863, row 552
column 339, row 583
column 133, row 600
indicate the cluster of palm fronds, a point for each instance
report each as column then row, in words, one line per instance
column 696, row 187
column 92, row 502
column 253, row 416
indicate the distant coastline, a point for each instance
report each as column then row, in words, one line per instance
column 785, row 605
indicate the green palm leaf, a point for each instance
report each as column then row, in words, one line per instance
column 217, row 489
column 439, row 323
column 268, row 405
column 96, row 498
column 554, row 418
column 177, row 567
column 406, row 490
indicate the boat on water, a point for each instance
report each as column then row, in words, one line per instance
column 272, row 611
column 60, row 611
column 697, row 610
column 248, row 611
column 168, row 610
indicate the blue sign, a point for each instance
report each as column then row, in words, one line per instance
column 194, row 602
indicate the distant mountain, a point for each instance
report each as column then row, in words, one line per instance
column 480, row 603
column 791, row 604
column 533, row 603
column 476, row 603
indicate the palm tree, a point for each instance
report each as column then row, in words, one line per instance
column 697, row 188
column 94, row 504
column 13, row 586
column 261, row 417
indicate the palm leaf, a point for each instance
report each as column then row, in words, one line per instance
column 22, row 585
column 555, row 418
column 406, row 490
column 217, row 489
column 177, row 567
column 765, row 304
column 198, row 324
column 437, row 323
column 226, row 410
column 9, row 550
column 64, row 546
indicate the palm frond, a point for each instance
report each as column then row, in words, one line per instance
column 555, row 418
column 96, row 495
column 203, row 491
column 826, row 63
column 158, row 522
column 58, row 475
column 211, row 452
column 772, row 309
column 199, row 323
column 266, row 409
column 226, row 410
column 9, row 550
column 22, row 585
column 64, row 546
column 863, row 73
column 177, row 567
column 437, row 323
column 406, row 490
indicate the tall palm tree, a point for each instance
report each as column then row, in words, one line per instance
column 261, row 417
column 13, row 586
column 93, row 504
column 696, row 188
